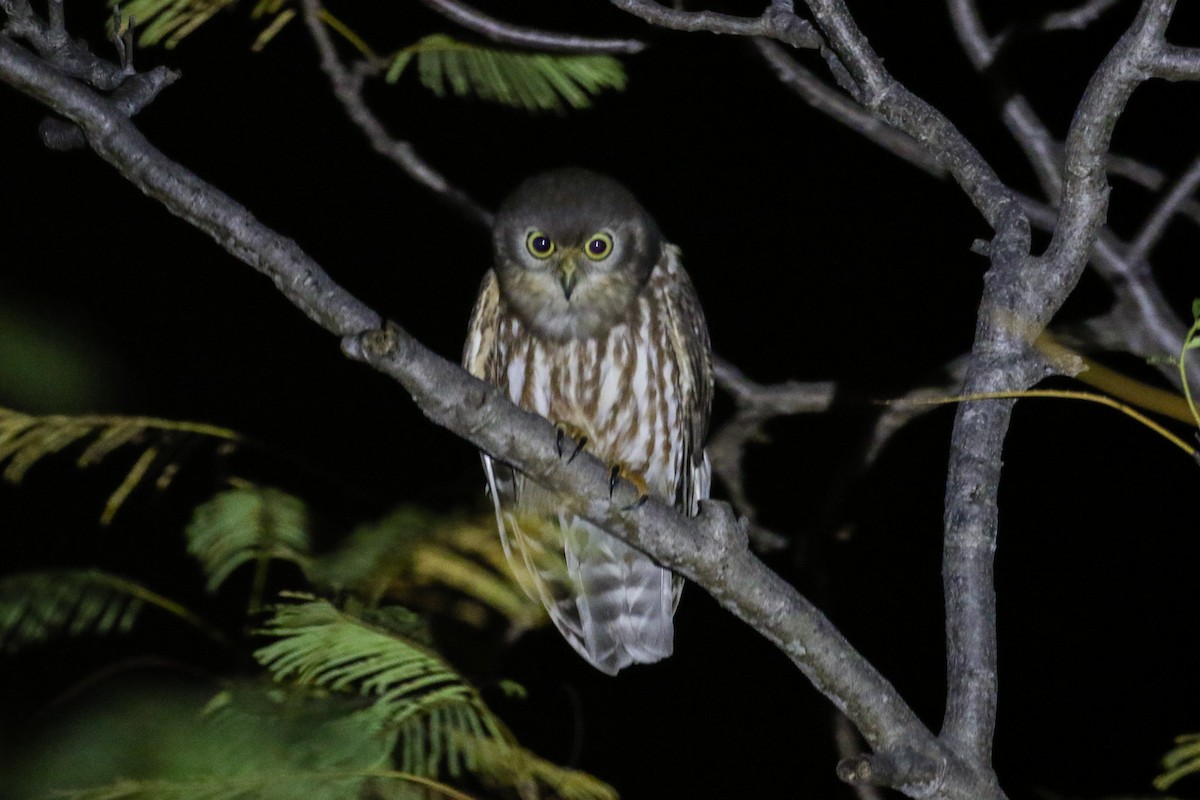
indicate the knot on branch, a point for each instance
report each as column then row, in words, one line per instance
column 914, row 773
column 382, row 343
column 781, row 22
column 725, row 533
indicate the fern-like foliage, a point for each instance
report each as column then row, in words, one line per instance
column 442, row 723
column 413, row 690
column 168, row 21
column 26, row 440
column 445, row 565
column 533, row 81
column 244, row 524
column 1181, row 761
column 37, row 606
column 519, row 79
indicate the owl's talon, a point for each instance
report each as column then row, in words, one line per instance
column 576, row 434
column 616, row 473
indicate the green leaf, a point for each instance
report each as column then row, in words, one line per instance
column 399, row 62
column 533, row 81
column 248, row 523
column 1196, row 309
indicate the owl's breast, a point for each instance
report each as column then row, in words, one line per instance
column 620, row 390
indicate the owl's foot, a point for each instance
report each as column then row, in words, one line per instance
column 620, row 471
column 568, row 431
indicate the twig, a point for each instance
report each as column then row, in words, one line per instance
column 507, row 33
column 347, row 87
column 826, row 99
column 756, row 405
column 1077, row 18
column 1040, row 147
column 1156, row 224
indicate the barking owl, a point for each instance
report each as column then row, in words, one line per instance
column 588, row 318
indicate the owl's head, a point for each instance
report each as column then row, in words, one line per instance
column 573, row 251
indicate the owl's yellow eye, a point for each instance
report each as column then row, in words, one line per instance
column 599, row 247
column 539, row 245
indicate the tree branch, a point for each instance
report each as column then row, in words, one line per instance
column 507, row 33
column 756, row 405
column 829, row 101
column 1169, row 205
column 777, row 22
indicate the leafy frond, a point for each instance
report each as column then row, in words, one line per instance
column 438, row 715
column 25, row 440
column 533, row 81
column 441, row 721
column 447, row 565
column 37, row 606
column 248, row 523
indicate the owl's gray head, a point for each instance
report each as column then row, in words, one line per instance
column 573, row 250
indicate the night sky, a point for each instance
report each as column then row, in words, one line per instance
column 817, row 257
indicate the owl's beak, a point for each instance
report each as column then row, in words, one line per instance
column 568, row 276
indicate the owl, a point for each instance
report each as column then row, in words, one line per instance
column 588, row 318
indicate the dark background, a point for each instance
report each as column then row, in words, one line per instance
column 817, row 257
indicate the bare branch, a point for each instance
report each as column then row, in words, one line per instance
column 777, row 22
column 1141, row 321
column 830, row 101
column 1042, row 150
column 347, row 87
column 1149, row 177
column 1156, row 224
column 1175, row 63
column 507, row 33
column 1147, row 325
column 1077, row 18
column 756, row 405
column 909, row 406
column 1085, row 189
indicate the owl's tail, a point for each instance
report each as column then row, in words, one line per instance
column 611, row 603
column 624, row 601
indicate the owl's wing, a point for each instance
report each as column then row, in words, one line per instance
column 532, row 540
column 480, row 351
column 693, row 352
